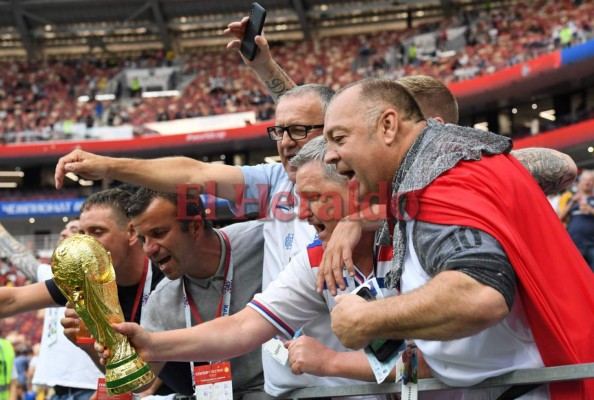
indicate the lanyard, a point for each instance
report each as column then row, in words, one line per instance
column 288, row 226
column 144, row 289
column 359, row 278
column 191, row 310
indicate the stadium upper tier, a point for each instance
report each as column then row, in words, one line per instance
column 44, row 98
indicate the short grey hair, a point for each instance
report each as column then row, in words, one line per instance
column 323, row 92
column 315, row 151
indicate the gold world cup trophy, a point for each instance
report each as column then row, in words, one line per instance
column 83, row 271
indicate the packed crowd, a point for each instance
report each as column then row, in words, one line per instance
column 34, row 96
column 23, row 331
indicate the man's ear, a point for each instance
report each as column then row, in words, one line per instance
column 388, row 124
column 196, row 227
column 439, row 119
column 132, row 236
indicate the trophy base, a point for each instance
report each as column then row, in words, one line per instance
column 127, row 375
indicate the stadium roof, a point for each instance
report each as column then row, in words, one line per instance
column 41, row 28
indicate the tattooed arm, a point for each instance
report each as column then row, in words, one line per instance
column 553, row 171
column 277, row 82
column 18, row 255
column 275, row 79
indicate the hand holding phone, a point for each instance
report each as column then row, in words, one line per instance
column 254, row 28
column 382, row 349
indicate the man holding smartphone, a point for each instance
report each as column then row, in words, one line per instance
column 254, row 27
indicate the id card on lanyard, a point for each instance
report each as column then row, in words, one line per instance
column 103, row 395
column 213, row 381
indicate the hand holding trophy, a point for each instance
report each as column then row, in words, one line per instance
column 83, row 271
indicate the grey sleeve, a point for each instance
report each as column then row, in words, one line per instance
column 18, row 254
column 468, row 250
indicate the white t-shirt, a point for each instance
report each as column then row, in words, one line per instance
column 285, row 235
column 504, row 347
column 291, row 302
column 60, row 362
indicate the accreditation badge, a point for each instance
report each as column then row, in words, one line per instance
column 102, row 392
column 213, row 381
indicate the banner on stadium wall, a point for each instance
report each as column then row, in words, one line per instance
column 203, row 124
column 60, row 148
column 562, row 138
column 507, row 76
column 61, row 208
column 577, row 53
column 150, row 78
column 40, row 208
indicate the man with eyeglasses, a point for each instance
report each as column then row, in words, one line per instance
column 299, row 118
column 296, row 132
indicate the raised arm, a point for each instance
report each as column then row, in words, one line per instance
column 18, row 255
column 276, row 81
column 164, row 174
column 554, row 171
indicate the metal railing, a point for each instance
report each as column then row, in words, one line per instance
column 41, row 245
column 519, row 377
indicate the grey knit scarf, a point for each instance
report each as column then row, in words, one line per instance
column 437, row 149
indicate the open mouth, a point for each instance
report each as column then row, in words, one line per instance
column 318, row 226
column 163, row 262
column 350, row 175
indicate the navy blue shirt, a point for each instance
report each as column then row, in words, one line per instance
column 581, row 225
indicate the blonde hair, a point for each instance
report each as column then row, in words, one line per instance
column 434, row 98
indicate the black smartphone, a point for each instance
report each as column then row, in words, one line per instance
column 382, row 349
column 254, row 28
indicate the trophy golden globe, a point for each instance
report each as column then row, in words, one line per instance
column 83, row 271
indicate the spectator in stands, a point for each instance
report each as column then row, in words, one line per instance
column 32, row 388
column 21, row 362
column 499, row 226
column 135, row 89
column 8, row 374
column 578, row 214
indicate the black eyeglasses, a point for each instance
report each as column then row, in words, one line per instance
column 296, row 132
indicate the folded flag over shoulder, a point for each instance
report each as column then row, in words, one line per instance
column 497, row 195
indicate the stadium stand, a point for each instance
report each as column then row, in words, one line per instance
column 39, row 99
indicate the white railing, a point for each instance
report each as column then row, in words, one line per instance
column 40, row 245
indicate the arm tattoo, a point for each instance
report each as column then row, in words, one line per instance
column 276, row 86
column 18, row 255
column 278, row 83
column 552, row 170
